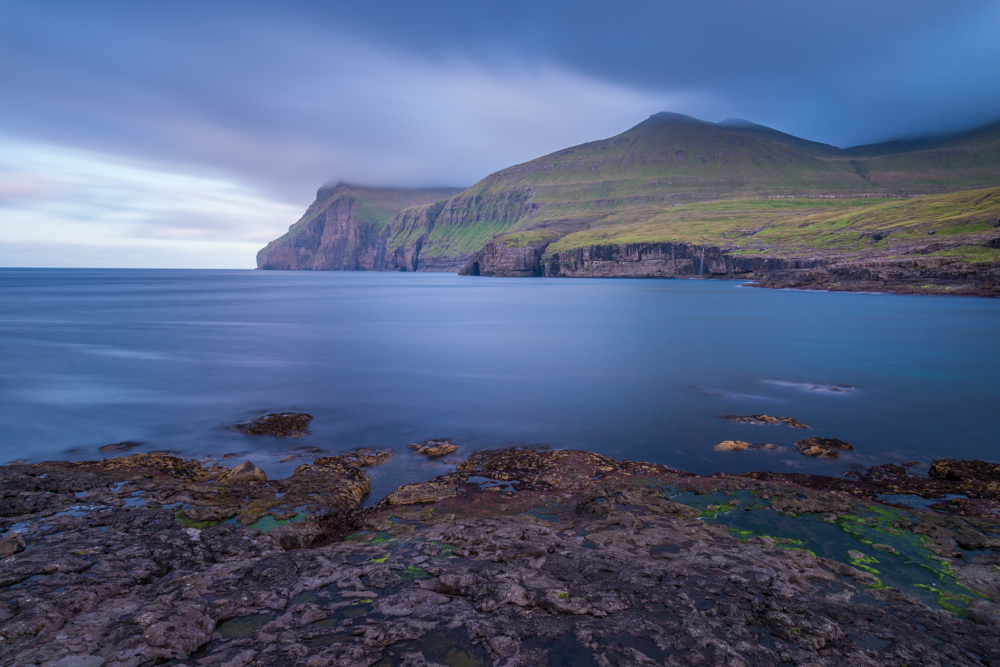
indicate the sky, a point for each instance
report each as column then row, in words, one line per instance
column 188, row 134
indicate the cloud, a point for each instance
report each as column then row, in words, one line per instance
column 94, row 210
column 213, row 123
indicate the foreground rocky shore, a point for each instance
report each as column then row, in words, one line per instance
column 519, row 557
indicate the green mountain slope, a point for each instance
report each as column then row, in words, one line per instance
column 671, row 160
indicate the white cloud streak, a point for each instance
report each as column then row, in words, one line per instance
column 203, row 190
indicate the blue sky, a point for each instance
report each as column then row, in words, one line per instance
column 188, row 134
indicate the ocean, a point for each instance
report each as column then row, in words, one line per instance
column 629, row 368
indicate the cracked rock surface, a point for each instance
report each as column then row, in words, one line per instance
column 519, row 557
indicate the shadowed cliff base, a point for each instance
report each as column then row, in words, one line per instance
column 519, row 557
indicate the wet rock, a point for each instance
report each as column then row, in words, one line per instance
column 739, row 445
column 520, row 557
column 732, row 446
column 434, row 448
column 810, row 503
column 81, row 661
column 764, row 420
column 984, row 612
column 965, row 471
column 121, row 446
column 11, row 544
column 422, row 492
column 208, row 514
column 280, row 424
column 825, row 448
column 365, row 457
column 244, row 472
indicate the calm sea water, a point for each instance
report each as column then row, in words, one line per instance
column 628, row 368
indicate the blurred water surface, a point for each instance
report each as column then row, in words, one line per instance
column 628, row 368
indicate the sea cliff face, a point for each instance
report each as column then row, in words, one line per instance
column 356, row 228
column 634, row 260
column 913, row 274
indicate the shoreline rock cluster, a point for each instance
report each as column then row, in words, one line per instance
column 519, row 557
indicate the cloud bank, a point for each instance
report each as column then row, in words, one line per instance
column 191, row 134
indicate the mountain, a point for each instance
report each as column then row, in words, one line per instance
column 671, row 179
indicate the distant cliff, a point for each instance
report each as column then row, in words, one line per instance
column 631, row 260
column 349, row 228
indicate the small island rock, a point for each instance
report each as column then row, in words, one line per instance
column 739, row 446
column 825, row 448
column 761, row 420
column 280, row 424
column 732, row 446
column 434, row 448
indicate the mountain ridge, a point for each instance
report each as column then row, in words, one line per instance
column 668, row 162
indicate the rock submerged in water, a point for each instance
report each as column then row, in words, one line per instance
column 825, row 448
column 121, row 446
column 739, row 446
column 433, row 449
column 244, row 472
column 280, row 424
column 763, row 420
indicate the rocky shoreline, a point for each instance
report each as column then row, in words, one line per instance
column 519, row 557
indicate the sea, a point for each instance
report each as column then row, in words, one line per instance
column 635, row 369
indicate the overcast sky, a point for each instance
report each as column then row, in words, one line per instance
column 188, row 134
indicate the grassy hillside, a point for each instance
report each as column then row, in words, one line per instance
column 787, row 227
column 656, row 173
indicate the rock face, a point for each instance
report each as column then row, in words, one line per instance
column 682, row 260
column 349, row 228
column 499, row 259
column 519, row 557
column 635, row 260
column 909, row 275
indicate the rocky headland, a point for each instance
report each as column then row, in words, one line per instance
column 518, row 557
column 676, row 197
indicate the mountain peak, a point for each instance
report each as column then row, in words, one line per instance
column 671, row 117
column 738, row 122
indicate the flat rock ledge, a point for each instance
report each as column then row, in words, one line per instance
column 519, row 557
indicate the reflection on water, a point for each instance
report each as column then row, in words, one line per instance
column 629, row 368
